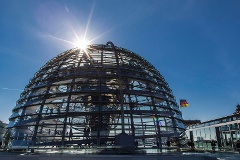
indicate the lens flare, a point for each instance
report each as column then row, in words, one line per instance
column 82, row 44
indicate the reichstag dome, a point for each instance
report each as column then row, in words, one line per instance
column 103, row 95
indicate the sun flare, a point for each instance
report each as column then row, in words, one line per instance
column 82, row 44
column 78, row 40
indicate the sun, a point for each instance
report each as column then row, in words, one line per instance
column 78, row 40
column 83, row 44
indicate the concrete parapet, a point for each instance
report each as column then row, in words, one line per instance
column 106, row 157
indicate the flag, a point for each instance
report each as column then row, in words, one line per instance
column 183, row 103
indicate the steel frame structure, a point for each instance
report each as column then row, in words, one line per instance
column 89, row 96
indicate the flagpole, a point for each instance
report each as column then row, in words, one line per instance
column 180, row 107
column 182, row 111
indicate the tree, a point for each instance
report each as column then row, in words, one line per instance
column 237, row 109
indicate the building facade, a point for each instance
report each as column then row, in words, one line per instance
column 2, row 131
column 225, row 131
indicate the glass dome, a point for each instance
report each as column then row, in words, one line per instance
column 88, row 97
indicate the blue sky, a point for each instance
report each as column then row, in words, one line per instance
column 194, row 44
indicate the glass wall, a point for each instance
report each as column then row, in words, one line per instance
column 90, row 97
column 225, row 131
